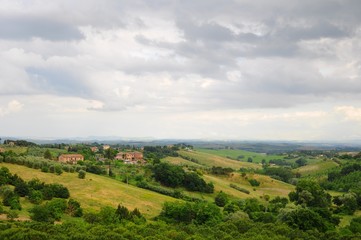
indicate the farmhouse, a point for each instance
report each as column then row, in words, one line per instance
column 70, row 158
column 94, row 149
column 106, row 147
column 130, row 157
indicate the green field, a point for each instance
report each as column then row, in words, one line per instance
column 96, row 191
column 209, row 159
column 241, row 154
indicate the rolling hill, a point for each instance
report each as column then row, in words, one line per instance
column 96, row 191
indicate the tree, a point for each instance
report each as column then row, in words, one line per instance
column 21, row 188
column 221, row 199
column 56, row 207
column 35, row 196
column 301, row 162
column 306, row 219
column 280, row 173
column 186, row 212
column 74, row 209
column 231, row 207
column 110, row 153
column 58, row 170
column 309, row 193
column 254, row 182
column 81, row 174
column 264, row 162
column 108, row 216
column 47, row 154
column 347, row 203
column 169, row 175
column 41, row 213
column 136, row 214
column 11, row 199
column 55, row 190
column 355, row 225
column 122, row 213
column 193, row 182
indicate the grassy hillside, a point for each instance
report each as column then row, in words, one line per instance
column 181, row 162
column 97, row 191
column 316, row 168
column 210, row 160
column 268, row 186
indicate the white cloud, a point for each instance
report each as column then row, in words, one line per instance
column 201, row 64
column 349, row 113
column 12, row 107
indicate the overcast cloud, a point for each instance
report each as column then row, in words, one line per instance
column 241, row 69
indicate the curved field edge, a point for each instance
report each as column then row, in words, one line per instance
column 96, row 191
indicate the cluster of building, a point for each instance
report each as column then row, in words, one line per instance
column 70, row 158
column 134, row 157
column 130, row 157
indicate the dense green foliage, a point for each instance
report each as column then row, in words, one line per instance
column 35, row 190
column 279, row 173
column 344, row 179
column 20, row 143
column 156, row 153
column 198, row 213
column 221, row 199
column 174, row 176
column 310, row 194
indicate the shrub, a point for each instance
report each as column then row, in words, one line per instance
column 254, row 182
column 45, row 169
column 239, row 188
column 58, row 170
column 56, row 207
column 41, row 213
column 11, row 199
column 55, row 190
column 74, row 208
column 52, row 168
column 81, row 174
column 91, row 218
column 35, row 197
column 221, row 199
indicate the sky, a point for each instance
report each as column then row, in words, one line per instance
column 184, row 69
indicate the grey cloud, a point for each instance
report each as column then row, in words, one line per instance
column 208, row 49
column 27, row 27
column 205, row 31
column 58, row 82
